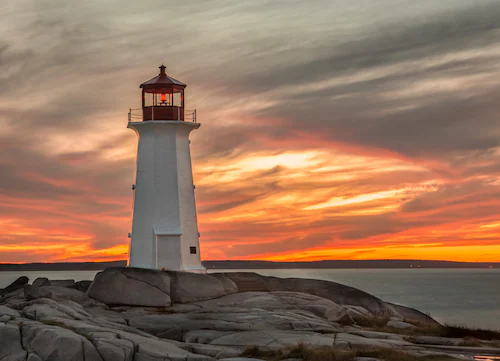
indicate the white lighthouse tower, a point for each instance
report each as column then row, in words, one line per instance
column 165, row 229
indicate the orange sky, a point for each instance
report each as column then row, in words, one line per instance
column 356, row 133
column 307, row 205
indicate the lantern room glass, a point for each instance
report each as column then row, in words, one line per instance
column 164, row 97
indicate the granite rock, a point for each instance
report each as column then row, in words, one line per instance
column 144, row 287
column 236, row 312
column 115, row 350
column 41, row 281
column 340, row 315
column 336, row 292
column 33, row 357
column 411, row 314
column 203, row 336
column 82, row 286
column 215, row 351
column 4, row 310
column 11, row 347
column 192, row 287
column 16, row 285
column 62, row 283
column 58, row 293
column 214, row 324
column 228, row 284
column 68, row 308
column 40, row 312
column 32, row 292
column 399, row 324
column 273, row 339
column 56, row 343
column 241, row 359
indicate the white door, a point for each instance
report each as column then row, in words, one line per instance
column 168, row 252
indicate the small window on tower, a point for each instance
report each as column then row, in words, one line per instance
column 192, row 250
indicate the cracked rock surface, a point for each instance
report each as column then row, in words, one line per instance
column 144, row 287
column 215, row 324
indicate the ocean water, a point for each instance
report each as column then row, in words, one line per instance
column 469, row 297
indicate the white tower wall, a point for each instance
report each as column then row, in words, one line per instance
column 164, row 226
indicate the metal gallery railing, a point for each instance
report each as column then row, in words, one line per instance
column 136, row 115
column 190, row 116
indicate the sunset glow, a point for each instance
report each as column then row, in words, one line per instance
column 349, row 135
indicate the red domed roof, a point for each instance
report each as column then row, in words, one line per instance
column 162, row 81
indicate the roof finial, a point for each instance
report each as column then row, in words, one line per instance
column 162, row 69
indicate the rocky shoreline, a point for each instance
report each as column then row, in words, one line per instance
column 142, row 315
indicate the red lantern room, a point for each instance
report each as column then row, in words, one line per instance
column 163, row 100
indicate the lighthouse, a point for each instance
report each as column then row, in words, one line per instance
column 164, row 227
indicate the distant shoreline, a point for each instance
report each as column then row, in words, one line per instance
column 221, row 265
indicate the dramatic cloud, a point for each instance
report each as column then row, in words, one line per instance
column 338, row 129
